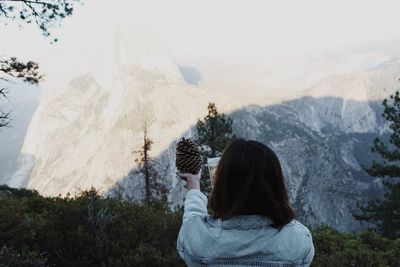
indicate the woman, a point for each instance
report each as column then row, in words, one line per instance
column 252, row 222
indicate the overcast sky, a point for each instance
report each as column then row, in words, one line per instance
column 242, row 27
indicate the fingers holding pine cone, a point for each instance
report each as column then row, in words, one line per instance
column 188, row 157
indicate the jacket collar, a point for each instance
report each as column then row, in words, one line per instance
column 241, row 222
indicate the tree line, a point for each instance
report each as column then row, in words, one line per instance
column 88, row 230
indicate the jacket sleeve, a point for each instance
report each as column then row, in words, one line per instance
column 311, row 251
column 195, row 205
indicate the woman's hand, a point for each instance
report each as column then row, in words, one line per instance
column 193, row 180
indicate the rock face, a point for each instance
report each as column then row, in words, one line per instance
column 90, row 121
column 322, row 139
column 91, row 118
column 322, row 167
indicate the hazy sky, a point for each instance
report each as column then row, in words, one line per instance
column 243, row 27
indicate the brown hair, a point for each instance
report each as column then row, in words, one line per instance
column 249, row 181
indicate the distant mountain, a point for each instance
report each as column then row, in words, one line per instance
column 322, row 139
column 90, row 120
column 321, row 159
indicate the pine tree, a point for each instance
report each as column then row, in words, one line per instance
column 385, row 213
column 214, row 131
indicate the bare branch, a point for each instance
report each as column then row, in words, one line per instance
column 30, row 2
column 3, row 92
column 4, row 119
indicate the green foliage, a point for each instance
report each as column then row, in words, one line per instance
column 365, row 249
column 21, row 258
column 85, row 230
column 385, row 214
column 214, row 131
column 90, row 230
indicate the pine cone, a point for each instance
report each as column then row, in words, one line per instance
column 188, row 157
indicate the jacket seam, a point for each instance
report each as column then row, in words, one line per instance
column 263, row 263
column 308, row 250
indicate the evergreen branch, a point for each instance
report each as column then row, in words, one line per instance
column 383, row 170
column 385, row 213
column 45, row 13
column 27, row 71
column 387, row 154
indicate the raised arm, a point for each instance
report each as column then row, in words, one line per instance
column 195, row 202
column 195, row 206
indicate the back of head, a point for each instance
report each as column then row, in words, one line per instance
column 249, row 181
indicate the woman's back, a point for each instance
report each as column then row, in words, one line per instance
column 243, row 240
column 252, row 222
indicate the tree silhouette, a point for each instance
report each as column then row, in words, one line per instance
column 154, row 188
column 214, row 131
column 45, row 13
column 385, row 214
column 12, row 68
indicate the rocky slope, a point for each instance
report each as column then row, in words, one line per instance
column 322, row 139
column 91, row 119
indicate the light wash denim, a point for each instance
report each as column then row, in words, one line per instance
column 245, row 240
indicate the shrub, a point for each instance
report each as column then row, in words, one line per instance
column 90, row 230
column 363, row 249
column 86, row 230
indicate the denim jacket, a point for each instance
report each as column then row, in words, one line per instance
column 244, row 240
